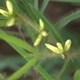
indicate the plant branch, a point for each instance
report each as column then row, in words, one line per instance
column 20, row 32
column 36, row 77
column 62, row 70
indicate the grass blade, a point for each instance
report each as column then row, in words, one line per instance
column 36, row 4
column 66, row 20
column 44, row 5
column 17, row 42
column 23, row 69
column 43, row 73
column 71, row 1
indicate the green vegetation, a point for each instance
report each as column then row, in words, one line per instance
column 39, row 54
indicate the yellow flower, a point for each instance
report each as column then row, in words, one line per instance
column 42, row 33
column 9, row 7
column 10, row 19
column 60, row 49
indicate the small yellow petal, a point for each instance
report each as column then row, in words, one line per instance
column 41, row 24
column 67, row 45
column 38, row 40
column 4, row 13
column 44, row 33
column 60, row 47
column 53, row 48
column 9, row 6
column 10, row 22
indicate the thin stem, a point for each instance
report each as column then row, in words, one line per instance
column 35, row 74
column 43, row 73
column 62, row 70
column 29, row 22
column 36, row 4
column 36, row 77
column 22, row 35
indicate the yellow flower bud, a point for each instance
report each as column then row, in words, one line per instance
column 41, row 24
column 53, row 48
column 38, row 40
column 44, row 33
column 9, row 7
column 67, row 45
column 60, row 47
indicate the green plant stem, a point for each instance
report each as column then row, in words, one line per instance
column 36, row 4
column 43, row 73
column 62, row 70
column 23, row 69
column 29, row 22
column 22, row 36
column 37, row 68
column 44, row 4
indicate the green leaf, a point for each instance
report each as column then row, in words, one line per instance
column 21, row 51
column 44, row 5
column 27, row 57
column 23, row 69
column 3, row 22
column 36, row 4
column 71, row 1
column 43, row 73
column 17, row 42
column 77, row 75
column 63, row 22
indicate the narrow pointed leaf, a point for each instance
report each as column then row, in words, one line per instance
column 23, row 69
column 70, row 1
column 17, row 42
column 44, row 5
column 63, row 22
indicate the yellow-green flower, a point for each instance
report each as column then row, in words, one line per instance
column 9, row 11
column 59, row 49
column 52, row 48
column 42, row 33
column 10, row 19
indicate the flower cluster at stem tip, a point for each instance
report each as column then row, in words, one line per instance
column 8, row 14
column 60, row 49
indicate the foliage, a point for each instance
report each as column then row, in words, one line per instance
column 25, row 15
